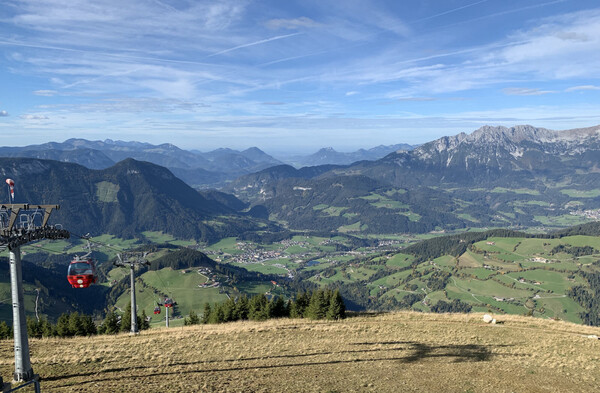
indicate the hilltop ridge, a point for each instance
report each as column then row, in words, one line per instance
column 395, row 352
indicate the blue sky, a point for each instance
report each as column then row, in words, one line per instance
column 293, row 75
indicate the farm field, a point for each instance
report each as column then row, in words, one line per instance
column 513, row 275
column 503, row 275
column 180, row 285
column 375, row 353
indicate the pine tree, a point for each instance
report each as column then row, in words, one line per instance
column 257, row 307
column 76, row 325
column 337, row 308
column 242, row 308
column 33, row 328
column 47, row 329
column 317, row 308
column 276, row 308
column 298, row 308
column 89, row 327
column 145, row 323
column 110, row 324
column 217, row 315
column 139, row 321
column 5, row 331
column 206, row 313
column 126, row 319
column 191, row 319
column 62, row 326
column 229, row 311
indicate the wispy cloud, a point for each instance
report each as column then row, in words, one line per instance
column 291, row 24
column 189, row 66
column 582, row 87
column 416, row 99
column 34, row 117
column 450, row 11
column 259, row 42
column 524, row 91
column 45, row 93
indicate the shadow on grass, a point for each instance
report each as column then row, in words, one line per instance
column 401, row 351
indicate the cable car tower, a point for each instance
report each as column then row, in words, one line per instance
column 168, row 303
column 21, row 224
column 132, row 260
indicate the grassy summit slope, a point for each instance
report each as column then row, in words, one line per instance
column 386, row 353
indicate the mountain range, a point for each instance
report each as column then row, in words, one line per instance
column 328, row 156
column 195, row 168
column 495, row 176
column 199, row 169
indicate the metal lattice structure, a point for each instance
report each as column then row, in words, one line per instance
column 21, row 224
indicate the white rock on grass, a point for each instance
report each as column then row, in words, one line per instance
column 487, row 318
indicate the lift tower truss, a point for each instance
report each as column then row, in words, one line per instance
column 132, row 260
column 21, row 224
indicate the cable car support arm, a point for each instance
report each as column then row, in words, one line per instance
column 21, row 224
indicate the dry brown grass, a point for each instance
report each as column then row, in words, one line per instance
column 399, row 352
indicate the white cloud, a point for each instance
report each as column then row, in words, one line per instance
column 560, row 48
column 158, row 61
column 416, row 99
column 583, row 87
column 291, row 24
column 524, row 91
column 34, row 117
column 557, row 49
column 45, row 93
column 3, row 113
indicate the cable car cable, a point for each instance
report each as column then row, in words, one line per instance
column 88, row 238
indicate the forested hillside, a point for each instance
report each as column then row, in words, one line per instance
column 124, row 200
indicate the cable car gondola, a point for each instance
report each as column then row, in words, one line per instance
column 169, row 302
column 82, row 272
column 157, row 310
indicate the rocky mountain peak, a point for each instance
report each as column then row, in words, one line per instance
column 516, row 134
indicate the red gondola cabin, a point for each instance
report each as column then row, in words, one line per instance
column 157, row 310
column 82, row 272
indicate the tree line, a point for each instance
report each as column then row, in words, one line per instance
column 67, row 325
column 113, row 324
column 77, row 324
column 318, row 304
column 589, row 299
column 576, row 251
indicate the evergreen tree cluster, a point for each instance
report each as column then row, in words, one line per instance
column 67, row 325
column 589, row 299
column 456, row 245
column 576, row 251
column 318, row 304
column 114, row 323
column 455, row 305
